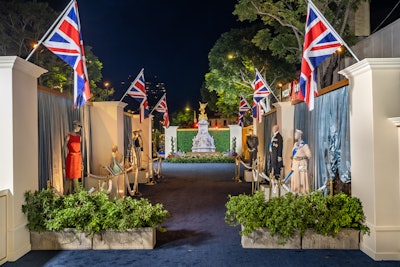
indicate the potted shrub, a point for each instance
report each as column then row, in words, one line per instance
column 293, row 218
column 76, row 219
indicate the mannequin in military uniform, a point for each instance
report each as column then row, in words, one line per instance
column 252, row 146
column 275, row 151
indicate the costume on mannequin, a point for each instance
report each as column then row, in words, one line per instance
column 301, row 153
column 137, row 148
column 117, row 160
column 252, row 146
column 73, row 161
column 275, row 150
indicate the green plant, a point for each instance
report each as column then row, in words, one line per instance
column 199, row 158
column 39, row 207
column 292, row 213
column 89, row 213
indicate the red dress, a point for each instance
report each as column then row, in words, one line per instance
column 73, row 163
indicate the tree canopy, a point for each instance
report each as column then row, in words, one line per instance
column 22, row 24
column 273, row 45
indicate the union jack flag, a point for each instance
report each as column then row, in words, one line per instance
column 320, row 42
column 162, row 108
column 137, row 91
column 261, row 89
column 243, row 108
column 66, row 42
column 256, row 111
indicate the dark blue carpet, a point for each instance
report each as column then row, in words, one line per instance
column 195, row 195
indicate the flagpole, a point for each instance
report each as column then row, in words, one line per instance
column 50, row 29
column 333, row 30
column 266, row 84
column 131, row 85
column 157, row 103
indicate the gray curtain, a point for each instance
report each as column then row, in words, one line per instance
column 269, row 121
column 127, row 135
column 326, row 130
column 55, row 116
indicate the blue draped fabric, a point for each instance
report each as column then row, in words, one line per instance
column 326, row 130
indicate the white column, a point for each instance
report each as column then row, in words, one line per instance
column 19, row 146
column 107, row 128
column 236, row 132
column 170, row 136
column 375, row 95
column 286, row 110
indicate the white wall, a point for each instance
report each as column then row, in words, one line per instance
column 375, row 156
column 19, row 143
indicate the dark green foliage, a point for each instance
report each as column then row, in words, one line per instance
column 289, row 214
column 197, row 158
column 89, row 213
column 39, row 207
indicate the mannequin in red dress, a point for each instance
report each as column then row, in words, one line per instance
column 73, row 161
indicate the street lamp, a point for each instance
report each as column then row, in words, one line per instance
column 107, row 85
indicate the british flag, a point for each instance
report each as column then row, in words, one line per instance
column 137, row 91
column 163, row 108
column 256, row 111
column 243, row 108
column 66, row 42
column 320, row 42
column 261, row 89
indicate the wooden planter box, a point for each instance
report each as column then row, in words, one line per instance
column 143, row 238
column 260, row 238
column 65, row 240
column 345, row 239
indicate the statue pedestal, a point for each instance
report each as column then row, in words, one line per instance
column 203, row 141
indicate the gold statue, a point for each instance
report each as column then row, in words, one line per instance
column 202, row 110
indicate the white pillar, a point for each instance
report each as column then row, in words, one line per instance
column 19, row 146
column 375, row 95
column 170, row 136
column 107, row 128
column 286, row 110
column 236, row 132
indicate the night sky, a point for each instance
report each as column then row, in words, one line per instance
column 169, row 39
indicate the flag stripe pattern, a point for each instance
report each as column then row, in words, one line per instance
column 137, row 91
column 66, row 42
column 162, row 108
column 243, row 108
column 320, row 42
column 260, row 87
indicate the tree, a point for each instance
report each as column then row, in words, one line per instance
column 22, row 24
column 183, row 118
column 283, row 33
column 232, row 63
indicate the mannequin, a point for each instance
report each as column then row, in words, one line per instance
column 252, row 146
column 275, row 150
column 72, row 166
column 137, row 148
column 117, row 160
column 301, row 153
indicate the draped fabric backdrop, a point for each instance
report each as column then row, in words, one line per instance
column 269, row 121
column 326, row 130
column 55, row 116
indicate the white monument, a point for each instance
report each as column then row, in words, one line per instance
column 203, row 141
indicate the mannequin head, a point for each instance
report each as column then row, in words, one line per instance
column 275, row 128
column 297, row 134
column 77, row 126
column 114, row 148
